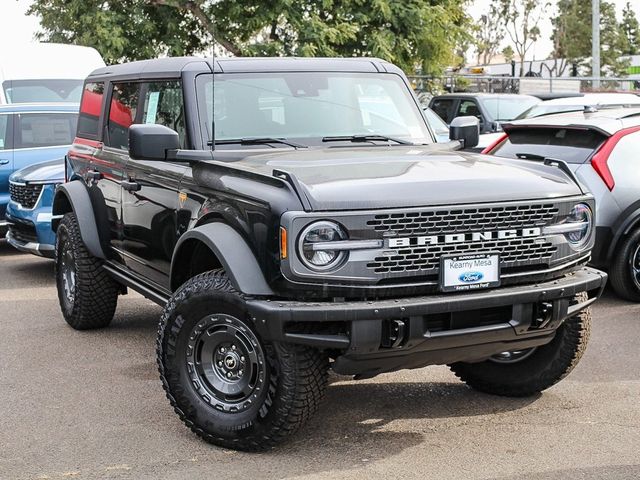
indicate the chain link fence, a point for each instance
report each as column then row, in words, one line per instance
column 428, row 86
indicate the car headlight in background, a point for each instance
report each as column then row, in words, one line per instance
column 576, row 227
column 315, row 245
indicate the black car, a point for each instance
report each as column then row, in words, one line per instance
column 491, row 109
column 296, row 215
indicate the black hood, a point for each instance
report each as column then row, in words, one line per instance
column 398, row 176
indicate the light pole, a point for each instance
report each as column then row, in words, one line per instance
column 595, row 42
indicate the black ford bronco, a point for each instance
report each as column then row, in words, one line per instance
column 296, row 215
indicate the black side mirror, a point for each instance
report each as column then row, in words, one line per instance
column 465, row 129
column 151, row 142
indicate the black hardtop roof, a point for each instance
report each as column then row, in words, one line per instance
column 172, row 67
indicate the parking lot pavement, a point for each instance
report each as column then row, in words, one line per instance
column 90, row 405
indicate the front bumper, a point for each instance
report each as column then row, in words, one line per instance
column 41, row 249
column 372, row 337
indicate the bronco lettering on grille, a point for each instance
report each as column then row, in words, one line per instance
column 463, row 237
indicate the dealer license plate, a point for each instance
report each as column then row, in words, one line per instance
column 469, row 272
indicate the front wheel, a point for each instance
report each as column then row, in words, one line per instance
column 521, row 373
column 225, row 383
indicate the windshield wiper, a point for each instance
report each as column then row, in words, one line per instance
column 365, row 138
column 257, row 141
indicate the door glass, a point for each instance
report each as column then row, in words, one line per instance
column 444, row 108
column 122, row 114
column 4, row 140
column 90, row 110
column 468, row 108
column 45, row 129
column 164, row 105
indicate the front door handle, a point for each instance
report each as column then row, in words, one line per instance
column 4, row 161
column 131, row 185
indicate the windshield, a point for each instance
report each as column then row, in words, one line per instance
column 508, row 107
column 36, row 91
column 310, row 106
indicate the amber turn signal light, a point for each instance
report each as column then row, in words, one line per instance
column 283, row 243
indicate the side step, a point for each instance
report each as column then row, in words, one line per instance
column 151, row 293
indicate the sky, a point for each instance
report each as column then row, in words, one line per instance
column 19, row 28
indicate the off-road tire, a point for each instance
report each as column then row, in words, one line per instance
column 546, row 366
column 295, row 376
column 95, row 294
column 621, row 271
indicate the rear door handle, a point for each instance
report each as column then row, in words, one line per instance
column 93, row 176
column 4, row 161
column 131, row 185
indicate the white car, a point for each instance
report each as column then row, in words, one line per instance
column 576, row 104
column 45, row 72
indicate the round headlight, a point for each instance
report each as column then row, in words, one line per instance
column 582, row 217
column 314, row 245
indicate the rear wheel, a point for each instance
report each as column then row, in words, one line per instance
column 228, row 385
column 87, row 295
column 625, row 269
column 525, row 372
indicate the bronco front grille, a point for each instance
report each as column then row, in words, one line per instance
column 515, row 252
column 464, row 219
column 26, row 195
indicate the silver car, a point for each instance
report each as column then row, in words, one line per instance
column 602, row 148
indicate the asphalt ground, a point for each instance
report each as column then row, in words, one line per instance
column 90, row 405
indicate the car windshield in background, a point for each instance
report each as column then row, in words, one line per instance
column 35, row 91
column 506, row 108
column 570, row 145
column 310, row 106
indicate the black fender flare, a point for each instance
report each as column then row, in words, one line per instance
column 233, row 253
column 74, row 194
column 628, row 220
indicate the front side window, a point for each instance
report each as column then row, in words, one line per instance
column 122, row 114
column 468, row 108
column 34, row 130
column 30, row 91
column 164, row 105
column 90, row 107
column 309, row 106
column 5, row 141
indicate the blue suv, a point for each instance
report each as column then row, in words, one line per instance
column 32, row 134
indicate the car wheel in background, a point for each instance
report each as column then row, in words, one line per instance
column 625, row 269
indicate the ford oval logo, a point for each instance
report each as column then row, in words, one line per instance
column 471, row 277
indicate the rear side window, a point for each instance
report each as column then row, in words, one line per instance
column 444, row 108
column 90, row 107
column 570, row 145
column 35, row 130
column 164, row 105
column 122, row 114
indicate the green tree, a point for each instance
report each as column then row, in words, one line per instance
column 613, row 42
column 489, row 33
column 412, row 33
column 521, row 19
column 631, row 29
column 571, row 35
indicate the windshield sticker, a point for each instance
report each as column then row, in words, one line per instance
column 152, row 108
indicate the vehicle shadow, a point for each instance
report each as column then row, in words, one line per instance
column 355, row 416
